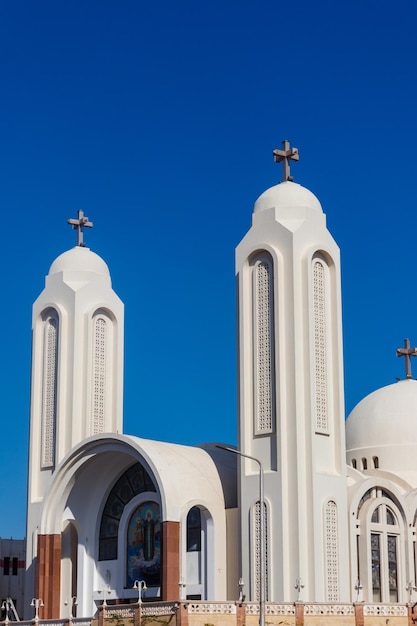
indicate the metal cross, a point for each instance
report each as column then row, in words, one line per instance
column 407, row 352
column 286, row 155
column 78, row 225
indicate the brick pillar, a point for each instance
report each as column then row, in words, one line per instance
column 359, row 619
column 240, row 614
column 170, row 549
column 411, row 614
column 48, row 575
column 182, row 614
column 299, row 614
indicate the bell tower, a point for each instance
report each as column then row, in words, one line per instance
column 77, row 368
column 291, row 403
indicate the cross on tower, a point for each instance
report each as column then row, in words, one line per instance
column 78, row 225
column 286, row 155
column 407, row 352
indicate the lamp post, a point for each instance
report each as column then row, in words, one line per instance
column 6, row 607
column 262, row 540
column 74, row 603
column 139, row 585
column 37, row 603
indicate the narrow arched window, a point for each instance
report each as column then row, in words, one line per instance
column 99, row 372
column 320, row 272
column 194, row 530
column 354, row 463
column 364, row 463
column 49, row 386
column 263, row 335
column 332, row 556
column 375, row 460
column 257, row 557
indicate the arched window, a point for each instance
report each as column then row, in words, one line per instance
column 354, row 463
column 364, row 464
column 143, row 557
column 321, row 329
column 375, row 460
column 256, row 543
column 199, row 561
column 49, row 387
column 332, row 556
column 134, row 481
column 384, row 554
column 380, row 557
column 263, row 344
column 194, row 530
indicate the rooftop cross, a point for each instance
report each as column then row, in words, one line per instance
column 78, row 225
column 407, row 352
column 286, row 155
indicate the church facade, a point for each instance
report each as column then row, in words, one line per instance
column 307, row 506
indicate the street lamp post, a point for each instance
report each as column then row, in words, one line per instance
column 74, row 603
column 139, row 585
column 37, row 603
column 262, row 540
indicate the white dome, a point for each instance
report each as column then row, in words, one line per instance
column 79, row 259
column 289, row 195
column 385, row 418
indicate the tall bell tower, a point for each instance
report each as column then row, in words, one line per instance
column 291, row 403
column 77, row 368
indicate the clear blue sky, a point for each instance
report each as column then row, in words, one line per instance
column 158, row 119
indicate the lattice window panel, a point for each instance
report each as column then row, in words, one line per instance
column 264, row 348
column 50, row 360
column 99, row 374
column 332, row 555
column 257, row 553
column 320, row 345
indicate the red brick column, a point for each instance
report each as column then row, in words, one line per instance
column 299, row 614
column 48, row 575
column 412, row 616
column 182, row 614
column 240, row 614
column 170, row 550
column 359, row 619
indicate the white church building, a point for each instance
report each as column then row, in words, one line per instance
column 321, row 504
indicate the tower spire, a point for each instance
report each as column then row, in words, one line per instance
column 78, row 225
column 286, row 155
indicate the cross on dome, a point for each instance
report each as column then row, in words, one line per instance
column 286, row 155
column 78, row 225
column 407, row 352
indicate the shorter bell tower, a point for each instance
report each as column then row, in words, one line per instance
column 77, row 367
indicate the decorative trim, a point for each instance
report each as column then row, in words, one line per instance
column 329, row 609
column 224, row 608
column 252, row 608
column 385, row 609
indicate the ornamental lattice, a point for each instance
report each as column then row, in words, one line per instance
column 50, row 358
column 257, row 544
column 99, row 374
column 320, row 348
column 264, row 406
column 332, row 560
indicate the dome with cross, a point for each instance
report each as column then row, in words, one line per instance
column 287, row 195
column 381, row 431
column 79, row 259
